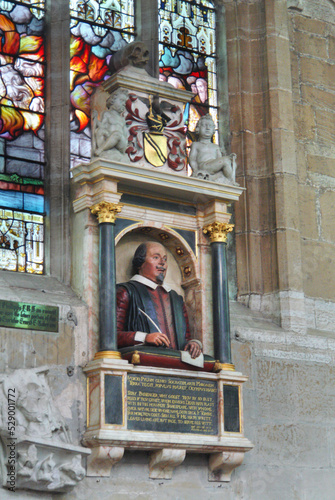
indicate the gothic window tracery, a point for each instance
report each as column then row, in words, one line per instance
column 187, row 54
column 98, row 29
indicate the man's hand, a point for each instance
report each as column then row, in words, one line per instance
column 157, row 338
column 194, row 348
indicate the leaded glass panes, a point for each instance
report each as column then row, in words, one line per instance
column 98, row 29
column 187, row 53
column 21, row 241
column 22, row 71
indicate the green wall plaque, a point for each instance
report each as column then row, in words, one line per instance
column 29, row 316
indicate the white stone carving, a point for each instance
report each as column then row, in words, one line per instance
column 37, row 435
column 110, row 133
column 163, row 462
column 45, row 467
column 206, row 158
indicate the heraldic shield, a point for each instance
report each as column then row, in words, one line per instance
column 155, row 148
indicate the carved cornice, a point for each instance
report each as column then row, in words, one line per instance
column 106, row 212
column 217, row 231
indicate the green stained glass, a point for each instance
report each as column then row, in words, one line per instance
column 98, row 29
column 187, row 54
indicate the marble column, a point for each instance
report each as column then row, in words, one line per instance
column 217, row 232
column 106, row 213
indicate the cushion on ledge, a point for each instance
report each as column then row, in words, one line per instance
column 161, row 357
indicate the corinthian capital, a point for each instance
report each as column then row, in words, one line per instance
column 106, row 212
column 217, row 231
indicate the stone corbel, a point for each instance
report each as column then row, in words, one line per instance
column 222, row 464
column 102, row 459
column 163, row 462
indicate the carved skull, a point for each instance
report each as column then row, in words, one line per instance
column 134, row 54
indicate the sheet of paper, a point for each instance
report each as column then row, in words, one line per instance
column 185, row 356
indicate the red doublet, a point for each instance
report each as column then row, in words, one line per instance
column 162, row 304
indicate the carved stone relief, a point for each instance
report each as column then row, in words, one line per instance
column 31, row 425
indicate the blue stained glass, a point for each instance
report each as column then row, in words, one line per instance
column 33, row 203
column 11, row 199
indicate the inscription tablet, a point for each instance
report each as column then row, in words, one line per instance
column 171, row 404
column 29, row 316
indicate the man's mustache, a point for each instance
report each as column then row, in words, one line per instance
column 161, row 268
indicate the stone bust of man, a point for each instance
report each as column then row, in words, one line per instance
column 149, row 312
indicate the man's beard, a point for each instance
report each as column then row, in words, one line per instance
column 160, row 278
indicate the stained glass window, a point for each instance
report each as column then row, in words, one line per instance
column 22, row 70
column 187, row 54
column 98, row 29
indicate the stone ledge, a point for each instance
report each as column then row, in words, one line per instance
column 144, row 180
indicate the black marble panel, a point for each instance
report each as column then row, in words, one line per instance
column 189, row 236
column 168, row 206
column 113, row 400
column 121, row 224
column 231, row 408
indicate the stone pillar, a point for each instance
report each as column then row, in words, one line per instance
column 217, row 232
column 106, row 213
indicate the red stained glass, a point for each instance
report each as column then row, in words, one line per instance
column 98, row 29
column 12, row 122
column 10, row 41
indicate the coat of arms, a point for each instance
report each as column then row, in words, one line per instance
column 157, row 132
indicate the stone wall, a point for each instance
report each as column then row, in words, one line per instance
column 312, row 45
column 281, row 87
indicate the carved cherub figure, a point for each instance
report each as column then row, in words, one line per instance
column 111, row 133
column 206, row 158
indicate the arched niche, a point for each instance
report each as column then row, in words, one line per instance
column 182, row 274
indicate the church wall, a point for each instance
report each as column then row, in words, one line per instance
column 281, row 93
column 313, row 70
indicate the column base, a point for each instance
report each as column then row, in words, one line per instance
column 223, row 366
column 108, row 355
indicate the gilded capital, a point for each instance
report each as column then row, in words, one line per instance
column 217, row 231
column 106, row 212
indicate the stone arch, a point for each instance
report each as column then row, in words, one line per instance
column 182, row 273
